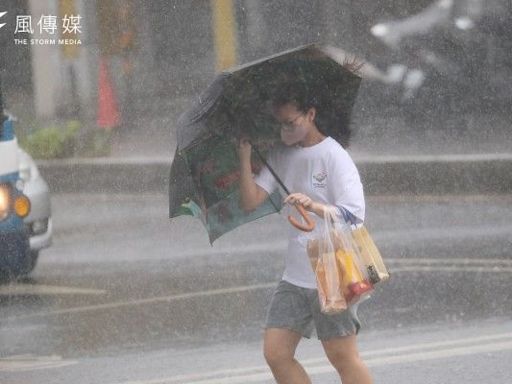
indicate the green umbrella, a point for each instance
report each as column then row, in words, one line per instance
column 205, row 170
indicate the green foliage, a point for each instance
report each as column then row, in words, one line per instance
column 67, row 140
column 53, row 142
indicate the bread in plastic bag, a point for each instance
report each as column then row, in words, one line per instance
column 370, row 255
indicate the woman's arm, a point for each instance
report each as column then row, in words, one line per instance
column 251, row 194
column 345, row 188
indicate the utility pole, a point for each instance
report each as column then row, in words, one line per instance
column 2, row 66
column 2, row 115
column 224, row 31
column 1, row 100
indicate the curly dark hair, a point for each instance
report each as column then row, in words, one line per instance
column 306, row 85
column 293, row 92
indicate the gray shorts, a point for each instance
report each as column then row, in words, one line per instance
column 298, row 309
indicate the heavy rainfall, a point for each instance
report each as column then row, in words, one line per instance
column 100, row 285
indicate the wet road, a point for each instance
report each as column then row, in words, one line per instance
column 124, row 295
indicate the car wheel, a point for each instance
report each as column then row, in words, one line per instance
column 33, row 256
column 30, row 264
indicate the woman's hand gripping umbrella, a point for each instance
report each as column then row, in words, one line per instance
column 301, row 201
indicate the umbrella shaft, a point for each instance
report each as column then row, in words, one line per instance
column 279, row 181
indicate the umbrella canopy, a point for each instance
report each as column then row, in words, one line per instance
column 205, row 170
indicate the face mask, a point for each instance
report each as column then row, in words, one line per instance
column 294, row 136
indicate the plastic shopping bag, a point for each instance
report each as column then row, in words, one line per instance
column 341, row 276
column 368, row 251
column 370, row 255
column 322, row 253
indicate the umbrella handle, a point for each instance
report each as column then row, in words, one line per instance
column 308, row 226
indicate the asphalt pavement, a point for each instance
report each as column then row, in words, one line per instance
column 126, row 296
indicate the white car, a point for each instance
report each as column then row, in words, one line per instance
column 39, row 221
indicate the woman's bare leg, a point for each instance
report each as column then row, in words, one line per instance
column 343, row 354
column 279, row 347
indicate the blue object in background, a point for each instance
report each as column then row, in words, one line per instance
column 14, row 239
column 7, row 132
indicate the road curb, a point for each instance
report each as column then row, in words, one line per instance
column 437, row 175
column 384, row 175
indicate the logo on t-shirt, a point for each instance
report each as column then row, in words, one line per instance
column 320, row 179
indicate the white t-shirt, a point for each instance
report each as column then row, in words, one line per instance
column 326, row 173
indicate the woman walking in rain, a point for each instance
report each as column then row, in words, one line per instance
column 321, row 175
